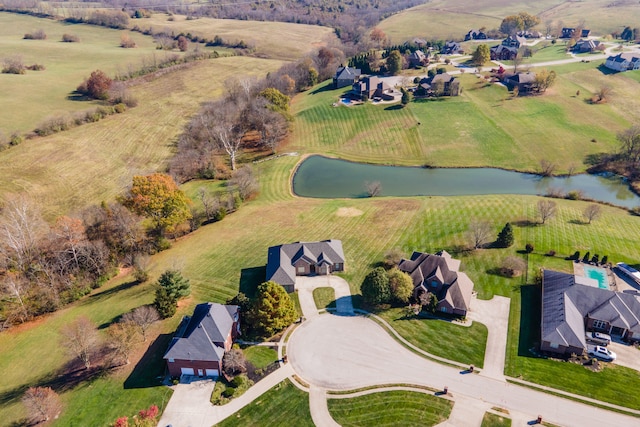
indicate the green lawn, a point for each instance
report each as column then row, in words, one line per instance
column 485, row 126
column 390, row 408
column 493, row 420
column 463, row 344
column 324, row 297
column 278, row 407
column 260, row 356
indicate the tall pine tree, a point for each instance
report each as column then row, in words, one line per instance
column 505, row 237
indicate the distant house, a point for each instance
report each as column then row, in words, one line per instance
column 514, row 41
column 585, row 33
column 451, row 48
column 567, row 33
column 623, row 62
column 419, row 42
column 439, row 274
column 202, row 339
column 529, row 34
column 572, row 305
column 475, row 35
column 586, row 45
column 285, row 262
column 345, row 76
column 440, row 84
column 502, row 53
column 524, row 81
column 373, row 87
column 417, row 58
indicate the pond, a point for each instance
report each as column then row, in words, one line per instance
column 322, row 177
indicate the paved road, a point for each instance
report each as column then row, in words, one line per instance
column 342, row 353
column 306, row 285
column 493, row 313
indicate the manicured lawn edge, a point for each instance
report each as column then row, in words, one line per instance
column 373, row 388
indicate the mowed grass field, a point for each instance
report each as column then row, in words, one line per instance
column 227, row 256
column 452, row 19
column 278, row 40
column 95, row 162
column 390, row 408
column 484, row 126
column 30, row 98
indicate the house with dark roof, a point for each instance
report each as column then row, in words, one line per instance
column 440, row 275
column 623, row 62
column 524, row 81
column 475, row 35
column 586, row 45
column 202, row 340
column 438, row 85
column 568, row 32
column 502, row 53
column 285, row 262
column 417, row 58
column 572, row 305
column 451, row 48
column 373, row 87
column 345, row 76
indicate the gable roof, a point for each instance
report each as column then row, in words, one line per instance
column 205, row 334
column 280, row 259
column 424, row 267
column 566, row 302
column 624, row 57
column 347, row 73
column 520, row 78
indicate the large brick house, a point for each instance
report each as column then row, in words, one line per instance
column 345, row 76
column 439, row 274
column 285, row 262
column 202, row 339
column 572, row 305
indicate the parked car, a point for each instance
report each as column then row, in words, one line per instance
column 598, row 338
column 602, row 353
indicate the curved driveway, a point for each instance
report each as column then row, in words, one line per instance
column 341, row 353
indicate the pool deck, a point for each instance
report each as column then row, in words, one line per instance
column 578, row 270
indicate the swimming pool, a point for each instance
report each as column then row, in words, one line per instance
column 598, row 274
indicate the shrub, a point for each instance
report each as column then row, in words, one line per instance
column 528, row 248
column 126, row 41
column 96, row 86
column 16, row 139
column 575, row 195
column 36, row 67
column 551, row 253
column 53, row 125
column 36, row 35
column 229, row 392
column 120, row 108
column 512, row 266
column 13, row 65
column 220, row 214
column 70, row 38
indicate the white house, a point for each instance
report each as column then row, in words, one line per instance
column 623, row 62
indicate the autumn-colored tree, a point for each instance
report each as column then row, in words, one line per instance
column 183, row 43
column 158, row 197
column 98, row 85
column 122, row 339
column 273, row 310
column 42, row 404
column 394, row 62
column 481, row 55
column 378, row 36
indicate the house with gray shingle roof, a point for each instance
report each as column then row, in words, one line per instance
column 440, row 275
column 623, row 62
column 572, row 305
column 202, row 340
column 285, row 262
column 345, row 76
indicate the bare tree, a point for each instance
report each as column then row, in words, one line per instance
column 479, row 233
column 245, row 182
column 602, row 95
column 143, row 317
column 209, row 203
column 546, row 210
column 512, row 266
column 373, row 188
column 21, row 230
column 592, row 212
column 122, row 340
column 81, row 338
column 630, row 144
column 42, row 404
column 14, row 288
column 547, row 168
column 234, row 362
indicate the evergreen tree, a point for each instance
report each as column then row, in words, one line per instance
column 273, row 310
column 177, row 286
column 505, row 237
column 406, row 97
column 375, row 287
column 164, row 303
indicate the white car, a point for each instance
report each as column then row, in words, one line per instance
column 598, row 338
column 602, row 353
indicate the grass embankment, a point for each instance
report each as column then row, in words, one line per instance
column 426, row 334
column 390, row 408
column 278, row 40
column 278, row 407
column 494, row 420
column 484, row 126
column 324, row 297
column 94, row 162
column 451, row 19
column 260, row 356
column 30, row 98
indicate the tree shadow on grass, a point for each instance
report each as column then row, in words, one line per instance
column 109, row 292
column 326, row 88
column 530, row 306
column 577, row 222
column 150, row 369
column 394, row 107
column 251, row 278
column 522, row 223
column 77, row 96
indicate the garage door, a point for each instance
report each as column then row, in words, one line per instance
column 187, row 371
column 212, row 372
